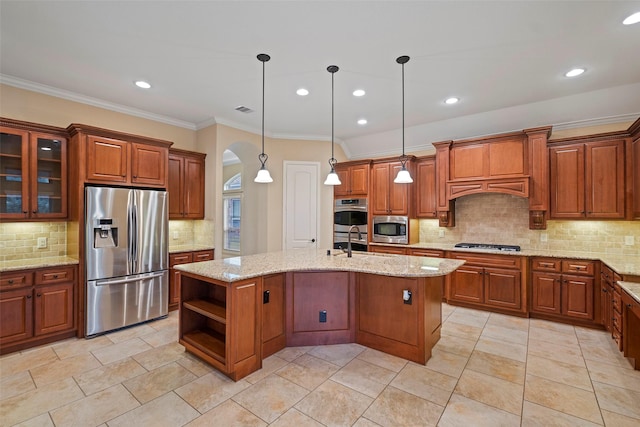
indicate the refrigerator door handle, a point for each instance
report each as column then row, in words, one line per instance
column 136, row 234
column 125, row 280
column 130, row 237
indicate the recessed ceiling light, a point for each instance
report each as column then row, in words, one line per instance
column 362, row 122
column 575, row 72
column 302, row 92
column 451, row 100
column 632, row 19
column 143, row 84
column 358, row 92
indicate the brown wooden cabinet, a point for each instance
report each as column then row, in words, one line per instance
column 425, row 187
column 563, row 288
column 37, row 306
column 488, row 281
column 273, row 314
column 389, row 198
column 395, row 250
column 587, row 180
column 504, row 157
column 174, row 282
column 434, row 253
column 33, row 172
column 634, row 173
column 354, row 178
column 186, row 184
column 630, row 327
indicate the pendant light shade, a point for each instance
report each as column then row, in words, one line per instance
column 263, row 176
column 332, row 178
column 403, row 177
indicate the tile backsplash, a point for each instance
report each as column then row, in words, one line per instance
column 504, row 219
column 191, row 232
column 18, row 240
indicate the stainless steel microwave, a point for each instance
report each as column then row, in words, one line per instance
column 391, row 229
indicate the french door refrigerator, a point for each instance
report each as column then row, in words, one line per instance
column 126, row 257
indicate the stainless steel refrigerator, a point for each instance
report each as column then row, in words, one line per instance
column 127, row 257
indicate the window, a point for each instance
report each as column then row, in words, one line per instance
column 232, row 206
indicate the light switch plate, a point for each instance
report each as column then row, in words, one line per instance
column 544, row 237
column 175, row 235
column 42, row 242
column 441, row 233
column 629, row 240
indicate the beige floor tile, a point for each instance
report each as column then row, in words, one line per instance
column 451, row 327
column 291, row 353
column 156, row 357
column 364, row 377
column 511, row 322
column 540, row 416
column 43, row 420
column 32, row 403
column 269, row 366
column 95, row 409
column 308, row 371
column 194, row 364
column 497, row 366
column 166, row 410
column 270, row 397
column 120, row 351
column 555, row 337
column 607, row 354
column 500, row 348
column 228, row 414
column 490, row 390
column 502, row 333
column 552, row 326
column 334, row 404
column 560, row 372
column 109, row 375
column 161, row 337
column 589, row 335
column 612, row 419
column 62, row 369
column 425, row 383
column 130, row 333
column 456, row 345
column 469, row 319
column 363, row 422
column 614, row 375
column 210, row 390
column 77, row 346
column 619, row 400
column 561, row 397
column 169, row 322
column 384, row 360
column 339, row 354
column 19, row 362
column 446, row 363
column 295, row 418
column 398, row 408
column 464, row 311
column 566, row 354
column 13, row 385
column 153, row 384
column 463, row 412
column 447, row 309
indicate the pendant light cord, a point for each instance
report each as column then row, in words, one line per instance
column 263, row 107
column 332, row 161
column 403, row 60
column 263, row 57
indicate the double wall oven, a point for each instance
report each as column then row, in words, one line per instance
column 348, row 212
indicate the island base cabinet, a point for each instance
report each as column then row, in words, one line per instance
column 273, row 314
column 630, row 328
column 220, row 323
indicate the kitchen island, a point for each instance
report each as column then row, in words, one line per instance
column 236, row 311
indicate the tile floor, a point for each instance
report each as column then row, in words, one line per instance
column 487, row 370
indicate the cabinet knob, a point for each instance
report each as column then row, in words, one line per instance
column 10, row 281
column 630, row 305
column 604, row 290
column 135, row 176
column 38, row 295
column 25, row 212
column 55, row 276
column 34, row 212
column 28, row 296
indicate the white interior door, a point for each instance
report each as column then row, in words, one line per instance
column 301, row 193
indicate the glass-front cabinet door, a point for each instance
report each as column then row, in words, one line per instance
column 14, row 166
column 48, row 176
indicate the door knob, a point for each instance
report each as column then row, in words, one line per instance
column 313, row 240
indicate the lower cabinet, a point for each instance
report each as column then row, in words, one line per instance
column 273, row 314
column 395, row 250
column 488, row 281
column 36, row 306
column 182, row 258
column 630, row 327
column 563, row 289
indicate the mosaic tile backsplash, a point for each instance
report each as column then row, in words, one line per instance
column 504, row 219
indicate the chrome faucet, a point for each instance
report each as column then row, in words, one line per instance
column 349, row 254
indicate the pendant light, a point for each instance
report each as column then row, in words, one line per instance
column 263, row 174
column 403, row 177
column 332, row 178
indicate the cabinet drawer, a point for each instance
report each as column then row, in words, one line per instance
column 54, row 275
column 180, row 258
column 546, row 264
column 488, row 260
column 427, row 252
column 202, row 256
column 617, row 321
column 617, row 301
column 578, row 267
column 16, row 279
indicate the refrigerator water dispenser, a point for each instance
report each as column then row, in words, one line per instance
column 105, row 235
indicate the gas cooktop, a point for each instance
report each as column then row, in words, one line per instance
column 506, row 248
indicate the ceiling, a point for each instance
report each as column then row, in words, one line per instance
column 505, row 60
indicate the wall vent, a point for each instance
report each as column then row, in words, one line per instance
column 244, row 109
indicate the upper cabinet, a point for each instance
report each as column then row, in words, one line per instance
column 186, row 184
column 588, row 180
column 633, row 175
column 33, row 171
column 425, row 184
column 389, row 198
column 354, row 178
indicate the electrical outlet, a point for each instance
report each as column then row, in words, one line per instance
column 42, row 242
column 544, row 237
column 323, row 316
column 629, row 240
column 441, row 232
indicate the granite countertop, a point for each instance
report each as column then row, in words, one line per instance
column 36, row 263
column 625, row 265
column 245, row 267
column 632, row 289
column 189, row 248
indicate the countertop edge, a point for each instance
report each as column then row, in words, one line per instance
column 632, row 288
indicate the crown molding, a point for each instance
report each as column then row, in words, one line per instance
column 597, row 122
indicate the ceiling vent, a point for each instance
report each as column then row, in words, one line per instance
column 244, row 109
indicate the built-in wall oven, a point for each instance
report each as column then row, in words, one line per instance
column 348, row 212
